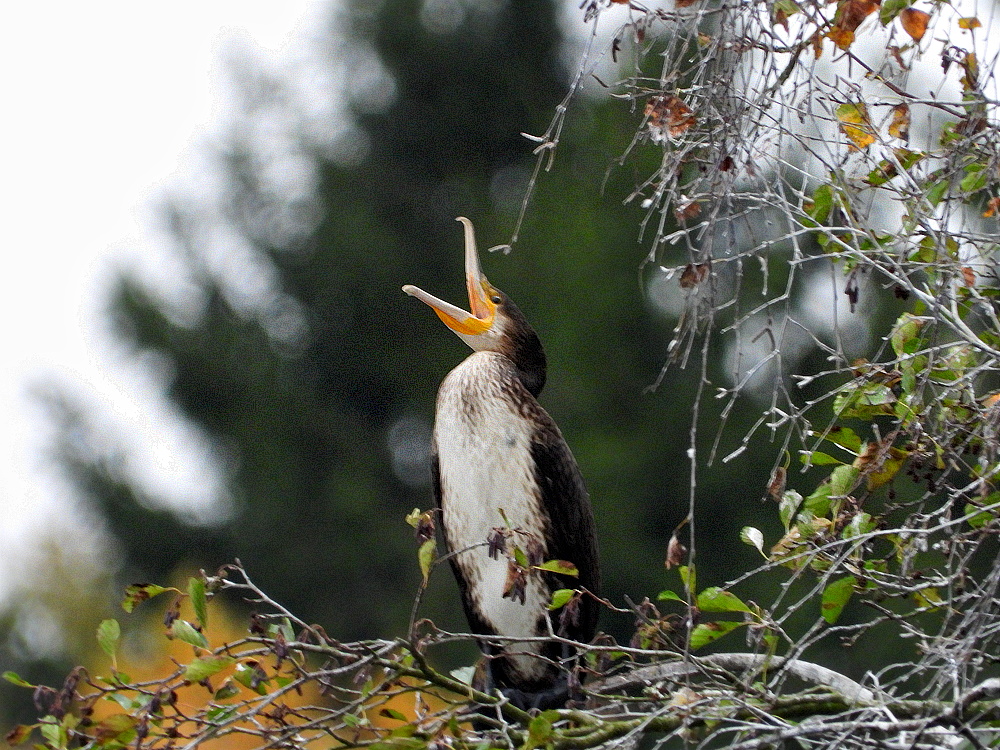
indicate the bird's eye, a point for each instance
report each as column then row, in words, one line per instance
column 495, row 299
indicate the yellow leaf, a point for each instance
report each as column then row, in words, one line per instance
column 914, row 22
column 969, row 23
column 855, row 124
column 970, row 81
column 843, row 38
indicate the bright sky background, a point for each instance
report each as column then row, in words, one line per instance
column 107, row 104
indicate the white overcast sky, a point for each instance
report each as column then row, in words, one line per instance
column 106, row 106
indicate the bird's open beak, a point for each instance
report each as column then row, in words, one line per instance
column 483, row 308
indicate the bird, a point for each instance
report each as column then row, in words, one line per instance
column 511, row 497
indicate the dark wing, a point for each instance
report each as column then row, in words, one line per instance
column 571, row 532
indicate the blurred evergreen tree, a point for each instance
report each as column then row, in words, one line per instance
column 320, row 391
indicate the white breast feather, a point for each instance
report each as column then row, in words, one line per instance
column 485, row 464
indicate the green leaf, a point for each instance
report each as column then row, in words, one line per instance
column 791, row 502
column 182, row 630
column 560, row 597
column 819, row 502
column 114, row 726
column 464, row 675
column 205, row 666
column 226, row 691
column 53, row 732
column 669, row 596
column 907, row 158
column 788, row 7
column 954, row 365
column 426, row 556
column 137, row 593
column 413, row 517
column 842, row 480
column 250, row 674
column 835, row 597
column 392, row 713
column 818, row 458
column 754, row 537
column 708, row 632
column 715, row 599
column 924, row 252
column 520, row 557
column 975, row 178
column 283, row 628
column 860, row 524
column 396, row 742
column 16, row 679
column 687, row 576
column 196, row 591
column 936, row 192
column 563, row 567
column 127, row 702
column 905, row 337
column 845, row 437
column 890, row 9
column 539, row 732
column 108, row 633
column 822, row 203
column 884, row 172
column 978, row 518
column 864, row 400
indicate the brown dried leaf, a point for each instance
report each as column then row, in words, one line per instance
column 516, row 586
column 496, row 543
column 914, row 22
column 18, row 735
column 899, row 126
column 776, row 487
column 693, row 274
column 535, row 550
column 668, row 115
column 968, row 276
column 817, row 45
column 687, row 210
column 992, row 207
column 675, row 552
column 971, row 125
column 853, row 291
column 879, row 462
column 851, row 13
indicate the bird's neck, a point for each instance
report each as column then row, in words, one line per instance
column 529, row 361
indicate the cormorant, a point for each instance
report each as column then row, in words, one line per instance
column 510, row 495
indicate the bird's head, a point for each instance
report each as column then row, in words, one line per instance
column 494, row 324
